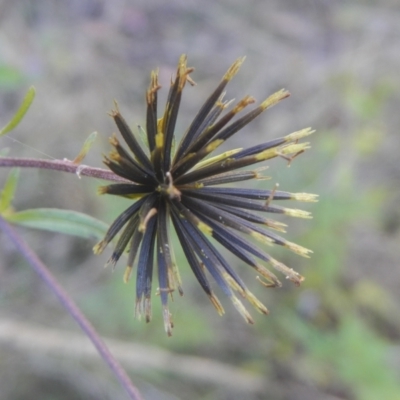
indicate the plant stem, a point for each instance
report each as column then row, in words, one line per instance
column 60, row 165
column 72, row 308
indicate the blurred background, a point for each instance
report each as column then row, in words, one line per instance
column 336, row 336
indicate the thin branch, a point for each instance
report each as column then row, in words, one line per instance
column 201, row 370
column 60, row 165
column 71, row 307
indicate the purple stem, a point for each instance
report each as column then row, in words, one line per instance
column 61, row 165
column 72, row 308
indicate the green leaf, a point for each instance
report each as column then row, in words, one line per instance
column 23, row 108
column 7, row 194
column 61, row 221
column 85, row 148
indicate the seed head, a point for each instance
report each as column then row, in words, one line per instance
column 188, row 188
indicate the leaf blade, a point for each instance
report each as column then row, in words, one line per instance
column 62, row 221
column 85, row 148
column 7, row 194
column 23, row 108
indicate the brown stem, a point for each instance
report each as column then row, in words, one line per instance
column 61, row 165
column 71, row 307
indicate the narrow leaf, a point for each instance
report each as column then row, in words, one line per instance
column 23, row 108
column 7, row 194
column 61, row 221
column 85, row 148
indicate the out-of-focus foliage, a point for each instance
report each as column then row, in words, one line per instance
column 335, row 337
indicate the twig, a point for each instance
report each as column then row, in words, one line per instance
column 60, row 165
column 72, row 308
